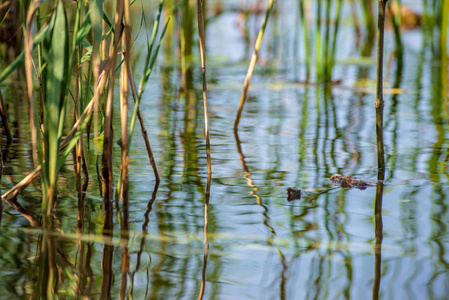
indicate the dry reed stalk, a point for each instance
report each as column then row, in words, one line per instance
column 29, row 76
column 202, row 39
column 106, row 172
column 108, row 132
column 124, row 94
column 142, row 125
column 252, row 64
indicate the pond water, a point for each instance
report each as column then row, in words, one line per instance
column 259, row 245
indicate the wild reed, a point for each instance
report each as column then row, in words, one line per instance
column 379, row 102
column 55, row 78
column 148, row 68
column 252, row 64
column 202, row 40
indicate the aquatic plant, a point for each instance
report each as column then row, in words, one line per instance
column 252, row 63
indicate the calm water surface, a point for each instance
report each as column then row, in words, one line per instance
column 260, row 246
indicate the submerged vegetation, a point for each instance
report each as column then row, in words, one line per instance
column 78, row 61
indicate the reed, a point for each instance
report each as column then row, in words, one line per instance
column 73, row 51
column 252, row 64
column 379, row 102
column 149, row 65
column 202, row 39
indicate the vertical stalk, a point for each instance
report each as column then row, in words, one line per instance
column 202, row 38
column 108, row 133
column 29, row 75
column 106, row 172
column 206, row 240
column 124, row 93
column 379, row 102
column 252, row 64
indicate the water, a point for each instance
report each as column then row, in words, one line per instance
column 260, row 246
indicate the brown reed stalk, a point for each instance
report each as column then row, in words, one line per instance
column 202, row 38
column 108, row 131
column 252, row 64
column 29, row 76
column 124, row 94
column 142, row 126
column 379, row 102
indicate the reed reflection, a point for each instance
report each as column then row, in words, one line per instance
column 144, row 236
column 108, row 248
column 272, row 236
column 378, row 233
column 206, row 240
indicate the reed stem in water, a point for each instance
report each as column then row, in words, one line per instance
column 202, row 37
column 252, row 64
column 379, row 102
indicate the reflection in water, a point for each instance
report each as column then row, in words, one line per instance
column 378, row 233
column 272, row 236
column 144, row 234
column 48, row 278
column 108, row 227
column 206, row 240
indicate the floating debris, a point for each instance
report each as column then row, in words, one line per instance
column 350, row 182
column 293, row 194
